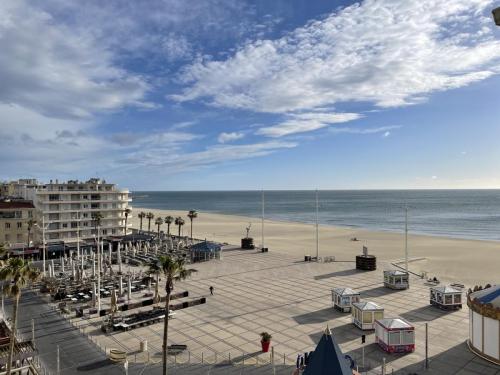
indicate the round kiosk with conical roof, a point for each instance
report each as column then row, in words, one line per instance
column 484, row 322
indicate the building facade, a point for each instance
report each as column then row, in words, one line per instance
column 67, row 210
column 17, row 221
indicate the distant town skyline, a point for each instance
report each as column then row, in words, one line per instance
column 241, row 95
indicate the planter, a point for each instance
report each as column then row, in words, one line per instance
column 265, row 346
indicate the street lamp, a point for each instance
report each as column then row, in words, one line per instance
column 496, row 15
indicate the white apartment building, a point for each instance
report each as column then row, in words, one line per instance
column 67, row 209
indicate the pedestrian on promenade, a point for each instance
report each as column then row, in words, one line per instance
column 211, row 290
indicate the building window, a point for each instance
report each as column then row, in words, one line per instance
column 19, row 214
column 7, row 237
column 85, row 224
column 7, row 225
column 74, row 224
column 85, row 197
column 19, row 237
column 19, row 225
column 104, row 232
column 85, row 215
column 53, row 197
column 30, row 214
column 65, row 225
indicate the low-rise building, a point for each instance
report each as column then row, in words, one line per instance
column 17, row 223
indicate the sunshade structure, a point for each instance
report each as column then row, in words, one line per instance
column 327, row 358
column 204, row 251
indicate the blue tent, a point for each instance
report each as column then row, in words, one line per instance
column 328, row 359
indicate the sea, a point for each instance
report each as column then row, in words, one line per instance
column 471, row 214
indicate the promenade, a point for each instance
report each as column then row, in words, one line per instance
column 256, row 292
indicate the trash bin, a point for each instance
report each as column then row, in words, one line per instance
column 144, row 346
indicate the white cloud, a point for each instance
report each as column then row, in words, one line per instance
column 229, row 137
column 183, row 161
column 386, row 134
column 51, row 69
column 382, row 129
column 386, row 52
column 305, row 122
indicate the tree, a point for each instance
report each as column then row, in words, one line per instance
column 127, row 212
column 150, row 216
column 174, row 270
column 141, row 216
column 169, row 220
column 180, row 222
column 158, row 222
column 16, row 274
column 31, row 224
column 192, row 215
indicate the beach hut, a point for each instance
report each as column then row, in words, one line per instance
column 343, row 298
column 204, row 251
column 327, row 358
column 446, row 297
column 395, row 335
column 365, row 313
column 396, row 279
column 484, row 322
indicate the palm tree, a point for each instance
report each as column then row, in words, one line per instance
column 174, row 270
column 180, row 222
column 141, row 216
column 31, row 224
column 169, row 220
column 150, row 216
column 192, row 215
column 158, row 222
column 127, row 212
column 16, row 274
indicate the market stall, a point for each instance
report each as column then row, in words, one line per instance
column 364, row 314
column 395, row 335
column 343, row 298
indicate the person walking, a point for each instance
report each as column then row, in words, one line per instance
column 211, row 290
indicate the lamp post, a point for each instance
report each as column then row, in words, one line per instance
column 496, row 16
column 43, row 242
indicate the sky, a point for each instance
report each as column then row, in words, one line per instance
column 241, row 95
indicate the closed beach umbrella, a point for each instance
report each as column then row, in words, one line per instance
column 120, row 286
column 73, row 274
column 114, row 305
column 93, row 265
column 119, row 259
column 50, row 270
column 129, row 292
column 93, row 294
column 53, row 268
column 62, row 264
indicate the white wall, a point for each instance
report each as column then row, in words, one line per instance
column 477, row 327
column 491, row 337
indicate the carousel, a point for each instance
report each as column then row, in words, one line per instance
column 484, row 322
column 365, row 313
column 395, row 335
column 396, row 279
column 446, row 297
column 343, row 298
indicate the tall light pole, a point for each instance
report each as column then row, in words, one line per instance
column 317, row 227
column 263, row 218
column 406, row 238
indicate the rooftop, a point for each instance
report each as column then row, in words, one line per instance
column 345, row 291
column 367, row 305
column 394, row 323
column 15, row 203
column 488, row 295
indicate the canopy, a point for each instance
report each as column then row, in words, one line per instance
column 327, row 359
column 207, row 247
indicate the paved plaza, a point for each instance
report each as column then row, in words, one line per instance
column 291, row 299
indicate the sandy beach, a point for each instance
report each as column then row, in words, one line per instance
column 470, row 262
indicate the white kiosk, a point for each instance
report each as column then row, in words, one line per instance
column 343, row 298
column 365, row 313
